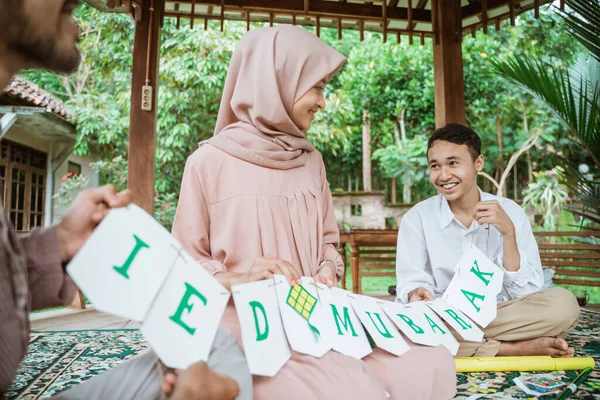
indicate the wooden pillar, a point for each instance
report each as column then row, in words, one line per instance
column 448, row 65
column 142, row 127
column 342, row 252
column 354, row 254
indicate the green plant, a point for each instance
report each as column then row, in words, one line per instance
column 70, row 187
column 165, row 206
column 573, row 94
column 408, row 160
column 586, row 191
column 547, row 195
column 113, row 172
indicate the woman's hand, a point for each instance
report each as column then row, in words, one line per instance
column 267, row 266
column 326, row 274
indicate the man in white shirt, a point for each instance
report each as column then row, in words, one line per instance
column 434, row 234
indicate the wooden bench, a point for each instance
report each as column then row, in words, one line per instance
column 573, row 263
column 373, row 253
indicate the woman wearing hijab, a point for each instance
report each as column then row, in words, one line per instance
column 255, row 202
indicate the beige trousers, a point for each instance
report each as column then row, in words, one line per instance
column 552, row 312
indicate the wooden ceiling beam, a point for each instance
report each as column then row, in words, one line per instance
column 352, row 10
column 472, row 9
column 421, row 4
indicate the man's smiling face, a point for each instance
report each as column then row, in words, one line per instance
column 452, row 170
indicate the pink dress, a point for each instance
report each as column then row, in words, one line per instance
column 232, row 212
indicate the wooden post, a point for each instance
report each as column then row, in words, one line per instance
column 318, row 26
column 142, row 127
column 410, row 23
column 366, row 153
column 342, row 252
column 354, row 253
column 448, row 66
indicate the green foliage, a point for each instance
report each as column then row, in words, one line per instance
column 408, row 160
column 331, row 130
column 165, row 206
column 388, row 80
column 586, row 191
column 573, row 95
column 547, row 195
column 69, row 188
column 113, row 172
column 192, row 74
column 384, row 77
column 584, row 23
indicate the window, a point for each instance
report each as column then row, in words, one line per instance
column 22, row 185
column 356, row 210
column 74, row 169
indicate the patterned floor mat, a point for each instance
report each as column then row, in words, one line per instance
column 499, row 385
column 59, row 360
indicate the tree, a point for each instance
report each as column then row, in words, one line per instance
column 391, row 87
column 572, row 93
column 193, row 68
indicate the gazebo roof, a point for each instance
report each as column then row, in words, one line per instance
column 392, row 16
column 445, row 21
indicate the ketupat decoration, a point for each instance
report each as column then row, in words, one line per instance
column 304, row 303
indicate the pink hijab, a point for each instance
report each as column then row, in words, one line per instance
column 271, row 68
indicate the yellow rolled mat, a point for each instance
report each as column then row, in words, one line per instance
column 524, row 363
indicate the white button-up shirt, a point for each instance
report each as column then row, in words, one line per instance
column 431, row 241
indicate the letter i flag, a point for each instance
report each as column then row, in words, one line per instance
column 475, row 287
column 124, row 263
column 265, row 345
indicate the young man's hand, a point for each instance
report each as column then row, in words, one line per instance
column 491, row 212
column 420, row 294
column 198, row 382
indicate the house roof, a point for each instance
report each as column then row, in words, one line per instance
column 32, row 95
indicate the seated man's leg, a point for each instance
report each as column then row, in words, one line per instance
column 226, row 357
column 530, row 325
column 142, row 376
column 137, row 378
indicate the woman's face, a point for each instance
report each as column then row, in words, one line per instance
column 305, row 108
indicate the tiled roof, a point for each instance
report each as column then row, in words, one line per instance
column 32, row 94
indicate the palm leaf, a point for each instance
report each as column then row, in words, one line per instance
column 573, row 95
column 584, row 23
column 586, row 194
